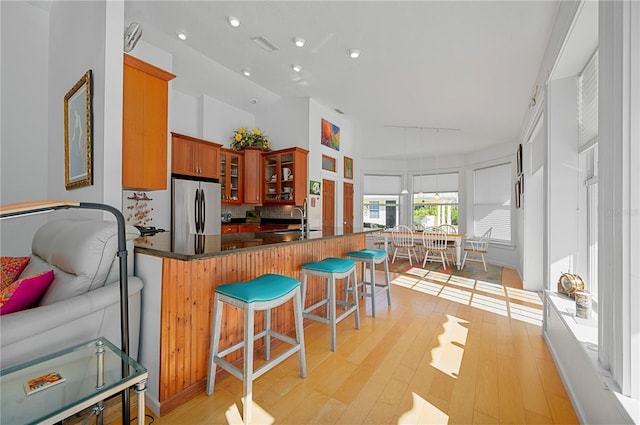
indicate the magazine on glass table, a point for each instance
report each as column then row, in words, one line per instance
column 40, row 383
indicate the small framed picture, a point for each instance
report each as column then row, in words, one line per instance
column 78, row 136
column 348, row 168
column 328, row 163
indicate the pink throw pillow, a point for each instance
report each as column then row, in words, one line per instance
column 10, row 269
column 24, row 293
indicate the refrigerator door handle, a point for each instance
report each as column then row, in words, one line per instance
column 196, row 211
column 203, row 205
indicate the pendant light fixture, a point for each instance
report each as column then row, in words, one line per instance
column 404, row 190
column 437, row 196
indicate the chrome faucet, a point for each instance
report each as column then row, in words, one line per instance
column 302, row 214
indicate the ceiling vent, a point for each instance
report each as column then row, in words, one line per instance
column 265, row 44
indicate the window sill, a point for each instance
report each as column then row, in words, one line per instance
column 585, row 334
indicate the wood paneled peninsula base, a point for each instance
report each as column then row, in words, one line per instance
column 177, row 303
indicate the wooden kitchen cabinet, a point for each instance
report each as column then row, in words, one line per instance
column 252, row 176
column 144, row 125
column 231, row 181
column 194, row 157
column 285, row 176
column 229, row 228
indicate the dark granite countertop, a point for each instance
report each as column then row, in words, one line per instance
column 194, row 247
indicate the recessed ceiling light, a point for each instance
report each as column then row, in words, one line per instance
column 233, row 21
column 354, row 53
column 246, row 72
column 296, row 68
column 181, row 35
column 299, row 41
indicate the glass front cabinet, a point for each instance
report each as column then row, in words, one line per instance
column 285, row 176
column 230, row 177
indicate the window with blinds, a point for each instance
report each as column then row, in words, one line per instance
column 492, row 201
column 588, row 103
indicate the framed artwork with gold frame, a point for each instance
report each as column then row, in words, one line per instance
column 78, row 134
column 348, row 167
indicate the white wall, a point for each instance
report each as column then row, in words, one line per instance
column 349, row 133
column 24, row 135
column 563, row 177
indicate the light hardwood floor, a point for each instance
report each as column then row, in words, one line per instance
column 448, row 350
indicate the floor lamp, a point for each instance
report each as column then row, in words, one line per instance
column 38, row 207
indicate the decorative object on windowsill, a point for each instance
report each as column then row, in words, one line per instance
column 583, row 304
column 243, row 138
column 140, row 210
column 569, row 283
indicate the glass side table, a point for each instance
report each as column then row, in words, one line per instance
column 91, row 373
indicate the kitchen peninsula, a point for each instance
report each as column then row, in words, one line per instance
column 178, row 298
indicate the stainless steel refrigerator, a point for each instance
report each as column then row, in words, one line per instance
column 195, row 213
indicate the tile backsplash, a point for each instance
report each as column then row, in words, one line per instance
column 239, row 211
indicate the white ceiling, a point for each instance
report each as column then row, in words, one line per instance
column 468, row 65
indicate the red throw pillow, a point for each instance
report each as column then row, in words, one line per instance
column 24, row 293
column 10, row 269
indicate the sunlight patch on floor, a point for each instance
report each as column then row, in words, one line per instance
column 447, row 356
column 526, row 314
column 490, row 288
column 416, row 271
column 464, row 282
column 520, row 295
column 423, row 412
column 516, row 303
column 456, row 295
column 428, row 288
column 490, row 304
column 258, row 415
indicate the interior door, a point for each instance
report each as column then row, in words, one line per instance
column 347, row 208
column 328, row 207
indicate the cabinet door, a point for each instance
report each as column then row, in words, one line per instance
column 271, row 179
column 144, row 126
column 252, row 176
column 207, row 160
column 183, row 154
column 230, row 177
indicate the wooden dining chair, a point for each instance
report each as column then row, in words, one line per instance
column 451, row 244
column 477, row 247
column 403, row 243
column 434, row 240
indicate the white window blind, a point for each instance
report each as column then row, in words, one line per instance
column 447, row 182
column 381, row 185
column 492, row 201
column 588, row 102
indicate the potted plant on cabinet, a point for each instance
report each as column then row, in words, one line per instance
column 243, row 138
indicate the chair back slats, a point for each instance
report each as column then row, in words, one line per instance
column 434, row 239
column 402, row 236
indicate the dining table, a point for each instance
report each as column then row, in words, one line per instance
column 457, row 239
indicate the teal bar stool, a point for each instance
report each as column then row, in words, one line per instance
column 372, row 257
column 262, row 293
column 331, row 269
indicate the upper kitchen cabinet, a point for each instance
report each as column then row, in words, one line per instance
column 231, row 177
column 144, row 125
column 252, row 176
column 285, row 176
column 194, row 157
